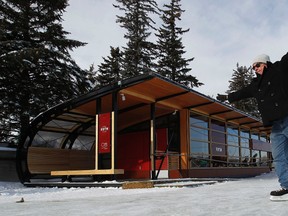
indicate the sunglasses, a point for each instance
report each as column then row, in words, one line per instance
column 257, row 65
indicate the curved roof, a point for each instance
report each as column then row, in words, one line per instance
column 134, row 96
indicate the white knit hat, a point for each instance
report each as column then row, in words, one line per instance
column 263, row 58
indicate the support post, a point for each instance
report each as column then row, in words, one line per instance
column 96, row 142
column 114, row 131
column 98, row 111
column 152, row 141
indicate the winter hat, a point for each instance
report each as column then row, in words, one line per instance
column 263, row 58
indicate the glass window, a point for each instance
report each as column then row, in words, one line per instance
column 199, row 138
column 219, row 161
column 245, row 152
column 244, row 134
column 73, row 117
column 263, row 138
column 60, row 124
column 254, row 136
column 218, row 137
column 233, row 130
column 232, row 140
column 48, row 139
column 218, row 149
column 244, row 142
column 83, row 143
column 198, row 134
column 224, row 144
column 264, row 159
column 233, row 161
column 200, row 161
column 217, row 125
column 233, row 151
column 199, row 147
column 254, row 161
column 199, row 121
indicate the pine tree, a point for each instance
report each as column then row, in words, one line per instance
column 36, row 69
column 242, row 77
column 139, row 53
column 110, row 70
column 171, row 63
column 91, row 76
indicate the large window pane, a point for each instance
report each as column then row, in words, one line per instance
column 244, row 134
column 218, row 137
column 233, row 151
column 254, row 161
column 199, row 161
column 233, row 161
column 60, row 124
column 198, row 134
column 233, row 140
column 217, row 125
column 199, row 121
column 48, row 139
column 245, row 152
column 254, row 136
column 244, row 142
column 263, row 138
column 264, row 159
column 232, row 130
column 83, row 143
column 199, row 147
column 218, row 149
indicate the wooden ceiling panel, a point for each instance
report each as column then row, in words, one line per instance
column 136, row 95
column 86, row 108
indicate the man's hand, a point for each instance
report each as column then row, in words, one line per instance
column 222, row 97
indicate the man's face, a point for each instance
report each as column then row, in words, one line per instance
column 258, row 67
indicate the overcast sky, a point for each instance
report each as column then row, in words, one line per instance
column 222, row 33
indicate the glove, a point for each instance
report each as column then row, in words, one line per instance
column 222, row 97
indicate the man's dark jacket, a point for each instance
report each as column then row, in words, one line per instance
column 270, row 90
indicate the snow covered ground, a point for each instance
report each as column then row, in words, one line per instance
column 241, row 197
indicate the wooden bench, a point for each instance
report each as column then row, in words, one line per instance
column 87, row 172
column 44, row 160
column 61, row 162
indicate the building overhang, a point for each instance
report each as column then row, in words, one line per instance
column 134, row 97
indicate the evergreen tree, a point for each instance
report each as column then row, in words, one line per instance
column 139, row 53
column 241, row 77
column 36, row 69
column 91, row 76
column 110, row 70
column 171, row 63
